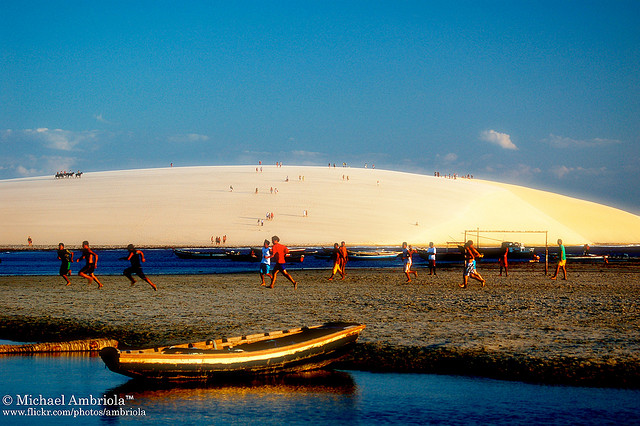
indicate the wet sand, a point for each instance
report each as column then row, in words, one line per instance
column 585, row 330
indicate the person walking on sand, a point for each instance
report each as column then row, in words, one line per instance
column 470, row 256
column 562, row 261
column 344, row 258
column 502, row 260
column 136, row 257
column 66, row 257
column 91, row 263
column 279, row 253
column 265, row 263
column 407, row 252
column 337, row 266
column 431, row 252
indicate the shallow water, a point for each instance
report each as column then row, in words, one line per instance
column 351, row 397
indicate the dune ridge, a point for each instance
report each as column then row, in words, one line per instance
column 189, row 205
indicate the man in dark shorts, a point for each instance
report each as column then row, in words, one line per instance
column 136, row 257
column 91, row 259
column 66, row 257
column 279, row 253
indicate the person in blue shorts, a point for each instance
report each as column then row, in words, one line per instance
column 470, row 256
column 265, row 262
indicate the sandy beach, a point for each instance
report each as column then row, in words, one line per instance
column 186, row 206
column 585, row 330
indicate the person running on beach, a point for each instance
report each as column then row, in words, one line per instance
column 91, row 259
column 431, row 251
column 337, row 264
column 503, row 260
column 279, row 253
column 136, row 257
column 407, row 252
column 265, row 263
column 562, row 261
column 470, row 256
column 66, row 257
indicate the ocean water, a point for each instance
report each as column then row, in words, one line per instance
column 77, row 382
column 158, row 262
column 164, row 261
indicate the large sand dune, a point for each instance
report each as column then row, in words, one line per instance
column 187, row 205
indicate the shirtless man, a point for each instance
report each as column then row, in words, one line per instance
column 407, row 253
column 91, row 259
column 470, row 256
column 136, row 257
column 337, row 267
column 66, row 257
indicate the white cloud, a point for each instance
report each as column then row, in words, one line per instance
column 63, row 140
column 564, row 142
column 501, row 139
column 188, row 138
column 581, row 172
column 450, row 157
column 101, row 119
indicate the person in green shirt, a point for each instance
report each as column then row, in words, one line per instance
column 562, row 261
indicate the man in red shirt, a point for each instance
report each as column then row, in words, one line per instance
column 279, row 252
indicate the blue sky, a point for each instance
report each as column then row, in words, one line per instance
column 542, row 94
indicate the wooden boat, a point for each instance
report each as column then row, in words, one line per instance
column 255, row 255
column 190, row 254
column 517, row 252
column 300, row 349
column 373, row 255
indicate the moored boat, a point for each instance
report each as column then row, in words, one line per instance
column 255, row 255
column 517, row 252
column 191, row 254
column 300, row 349
column 373, row 255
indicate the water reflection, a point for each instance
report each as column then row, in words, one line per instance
column 313, row 396
column 317, row 398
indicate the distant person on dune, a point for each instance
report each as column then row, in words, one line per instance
column 562, row 261
column 470, row 256
column 136, row 257
column 66, row 257
column 91, row 259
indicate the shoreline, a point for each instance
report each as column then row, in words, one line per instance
column 524, row 327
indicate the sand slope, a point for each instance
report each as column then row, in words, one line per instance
column 187, row 205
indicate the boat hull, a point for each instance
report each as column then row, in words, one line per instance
column 298, row 350
column 186, row 254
